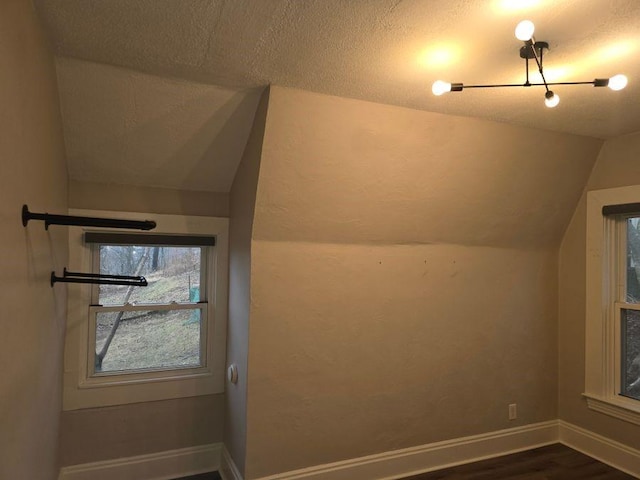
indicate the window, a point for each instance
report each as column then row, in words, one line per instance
column 627, row 309
column 160, row 327
column 129, row 344
column 613, row 303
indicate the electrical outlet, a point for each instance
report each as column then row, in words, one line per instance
column 513, row 411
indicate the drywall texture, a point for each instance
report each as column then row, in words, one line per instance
column 342, row 170
column 33, row 171
column 124, row 127
column 404, row 278
column 140, row 428
column 127, row 198
column 617, row 166
column 364, row 349
column 243, row 197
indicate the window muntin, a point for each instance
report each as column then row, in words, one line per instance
column 160, row 327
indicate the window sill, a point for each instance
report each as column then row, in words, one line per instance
column 615, row 407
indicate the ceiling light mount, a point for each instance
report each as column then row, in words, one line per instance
column 533, row 50
column 530, row 53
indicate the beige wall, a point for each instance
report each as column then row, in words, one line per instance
column 243, row 196
column 617, row 166
column 361, row 349
column 347, row 171
column 32, row 171
column 95, row 434
column 132, row 198
column 404, row 278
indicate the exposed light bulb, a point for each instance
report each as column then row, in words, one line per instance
column 524, row 30
column 617, row 82
column 439, row 87
column 551, row 99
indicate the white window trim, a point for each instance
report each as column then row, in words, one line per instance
column 79, row 390
column 601, row 364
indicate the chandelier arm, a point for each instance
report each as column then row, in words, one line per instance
column 592, row 82
column 570, row 83
column 496, row 86
column 538, row 61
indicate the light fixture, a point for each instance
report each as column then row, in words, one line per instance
column 533, row 49
column 524, row 30
column 439, row 87
column 617, row 82
column 551, row 99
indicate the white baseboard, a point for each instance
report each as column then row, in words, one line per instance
column 434, row 456
column 601, row 448
column 383, row 466
column 228, row 469
column 157, row 466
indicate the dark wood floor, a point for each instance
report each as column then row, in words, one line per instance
column 203, row 476
column 554, row 462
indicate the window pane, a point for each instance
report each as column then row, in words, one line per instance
column 156, row 339
column 173, row 274
column 630, row 353
column 633, row 260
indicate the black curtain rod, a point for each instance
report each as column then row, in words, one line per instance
column 84, row 221
column 98, row 279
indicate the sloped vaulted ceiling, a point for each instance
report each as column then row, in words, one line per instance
column 221, row 53
column 125, row 127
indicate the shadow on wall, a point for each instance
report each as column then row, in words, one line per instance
column 152, row 131
column 225, row 135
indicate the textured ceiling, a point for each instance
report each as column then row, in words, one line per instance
column 378, row 50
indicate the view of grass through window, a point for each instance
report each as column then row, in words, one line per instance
column 162, row 336
column 630, row 319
